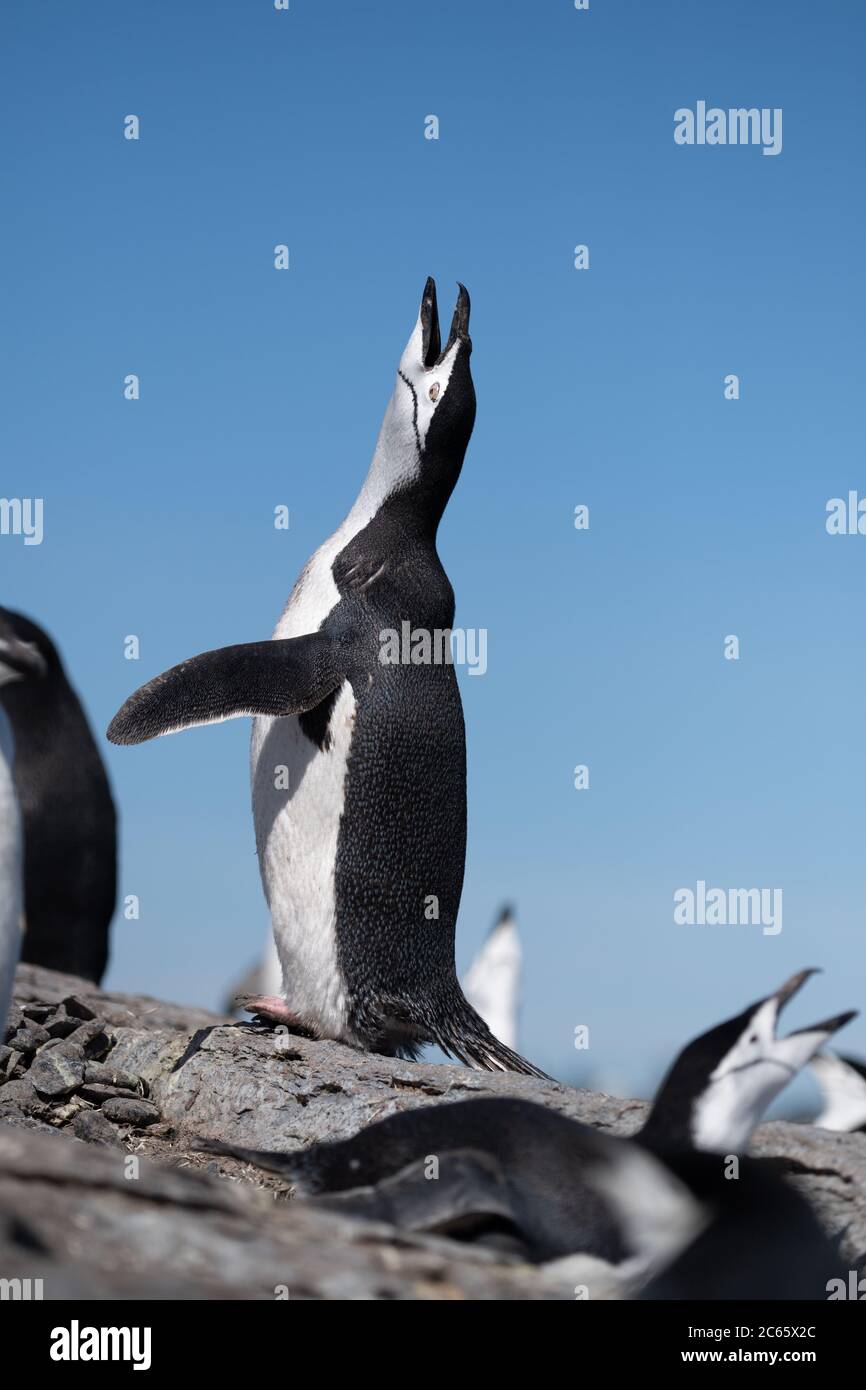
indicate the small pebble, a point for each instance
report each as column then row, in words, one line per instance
column 38, row 1012
column 95, row 1128
column 97, row 1092
column 92, row 1036
column 14, row 1021
column 29, row 1038
column 56, row 1075
column 62, row 1025
column 76, row 1008
column 106, row 1075
column 125, row 1111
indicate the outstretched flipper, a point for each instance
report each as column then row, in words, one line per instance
column 278, row 677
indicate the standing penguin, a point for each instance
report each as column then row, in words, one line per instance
column 19, row 661
column 70, row 838
column 362, row 854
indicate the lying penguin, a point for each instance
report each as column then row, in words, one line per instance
column 19, row 661
column 516, row 1176
column 843, row 1086
column 68, row 816
column 358, row 753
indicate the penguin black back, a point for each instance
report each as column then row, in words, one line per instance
column 68, row 816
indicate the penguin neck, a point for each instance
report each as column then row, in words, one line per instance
column 669, row 1124
column 415, row 502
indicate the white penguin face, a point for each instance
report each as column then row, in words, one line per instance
column 424, row 372
column 753, row 1071
column 425, row 429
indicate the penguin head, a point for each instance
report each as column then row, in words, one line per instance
column 721, row 1084
column 25, row 652
column 429, row 418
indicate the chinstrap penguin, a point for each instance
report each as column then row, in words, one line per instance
column 526, row 1179
column 362, row 854
column 843, row 1088
column 68, row 816
column 19, row 661
column 492, row 982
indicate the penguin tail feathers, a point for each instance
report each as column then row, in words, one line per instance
column 466, row 1036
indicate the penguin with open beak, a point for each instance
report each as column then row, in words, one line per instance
column 358, row 743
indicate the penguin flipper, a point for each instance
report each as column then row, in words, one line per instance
column 279, row 677
column 470, row 1198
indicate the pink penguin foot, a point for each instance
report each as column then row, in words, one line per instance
column 270, row 1008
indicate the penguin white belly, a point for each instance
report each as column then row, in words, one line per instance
column 298, row 797
column 11, row 870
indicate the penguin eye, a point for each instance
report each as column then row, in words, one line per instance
column 753, row 1038
column 433, row 393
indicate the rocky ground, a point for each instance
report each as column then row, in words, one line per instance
column 103, row 1192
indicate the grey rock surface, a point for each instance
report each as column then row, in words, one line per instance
column 190, row 1226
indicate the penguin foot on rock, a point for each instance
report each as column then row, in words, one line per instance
column 270, row 1008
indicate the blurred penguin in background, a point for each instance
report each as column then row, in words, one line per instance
column 18, row 662
column 492, row 984
column 843, row 1089
column 11, row 870
column 67, row 812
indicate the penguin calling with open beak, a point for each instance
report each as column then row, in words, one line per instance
column 362, row 840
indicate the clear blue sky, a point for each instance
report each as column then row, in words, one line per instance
column 602, row 387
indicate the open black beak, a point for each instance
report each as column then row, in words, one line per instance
column 791, row 987
column 827, row 1025
column 432, row 351
column 430, row 340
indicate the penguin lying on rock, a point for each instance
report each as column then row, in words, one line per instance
column 68, row 817
column 525, row 1179
column 358, row 759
